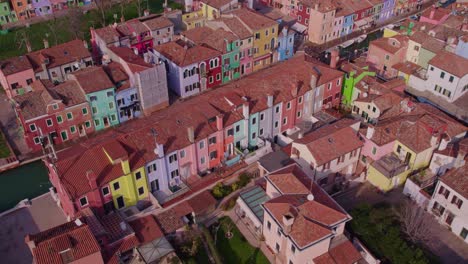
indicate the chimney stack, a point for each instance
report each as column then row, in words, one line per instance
column 46, row 43
column 31, row 243
column 146, row 13
column 431, row 16
column 288, row 221
column 334, row 57
column 370, row 132
column 91, row 176
column 270, row 100
column 85, row 44
column 313, row 81
column 159, row 150
column 191, row 134
column 245, row 110
column 219, row 122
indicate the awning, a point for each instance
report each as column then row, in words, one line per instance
column 299, row 28
column 360, row 23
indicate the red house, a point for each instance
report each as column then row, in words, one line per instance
column 53, row 114
column 139, row 34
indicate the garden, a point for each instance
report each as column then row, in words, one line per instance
column 383, row 229
column 75, row 25
column 232, row 245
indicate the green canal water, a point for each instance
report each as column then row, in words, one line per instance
column 27, row 181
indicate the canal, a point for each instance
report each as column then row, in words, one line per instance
column 27, row 181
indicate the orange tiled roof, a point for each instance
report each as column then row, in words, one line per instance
column 93, row 79
column 457, row 179
column 77, row 238
column 146, row 229
column 451, row 63
column 184, row 54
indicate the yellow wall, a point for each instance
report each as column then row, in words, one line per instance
column 259, row 44
column 418, row 160
column 129, row 188
column 191, row 19
column 383, row 183
column 388, row 33
column 208, row 11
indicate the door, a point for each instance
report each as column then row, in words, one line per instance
column 408, row 157
column 120, row 202
column 242, row 69
column 109, row 207
column 155, row 185
column 106, row 121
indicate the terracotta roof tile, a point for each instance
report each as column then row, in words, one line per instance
column 108, row 34
column 450, row 63
column 236, row 27
column 457, row 179
column 14, row 65
column 216, row 3
column 146, row 229
column 387, row 43
column 157, row 23
column 93, row 79
column 201, row 202
column 135, row 62
column 255, row 21
column 69, row 52
column 77, row 238
column 184, row 54
column 70, row 93
column 171, row 220
column 331, row 141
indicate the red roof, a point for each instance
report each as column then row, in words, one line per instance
column 343, row 253
column 331, row 141
column 78, row 239
column 201, row 202
column 457, row 179
column 171, row 220
column 93, row 79
column 184, row 54
column 146, row 229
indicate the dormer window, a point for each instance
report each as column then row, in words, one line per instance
column 55, row 106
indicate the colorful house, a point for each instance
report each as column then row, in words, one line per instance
column 7, row 15
column 223, row 41
column 191, row 69
column 329, row 154
column 265, row 33
column 213, row 9
column 23, row 9
column 384, row 53
column 103, row 177
column 54, row 63
column 354, row 76
column 236, row 26
column 285, row 44
column 100, row 93
column 126, row 96
column 435, row 15
column 146, row 75
column 42, row 7
column 53, row 114
column 388, row 173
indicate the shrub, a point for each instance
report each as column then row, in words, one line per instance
column 230, row 204
column 244, row 179
column 220, row 190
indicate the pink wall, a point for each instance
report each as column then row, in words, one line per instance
column 219, row 147
column 377, row 57
column 380, row 150
column 290, row 114
column 202, row 153
column 19, row 78
column 334, row 92
column 188, row 160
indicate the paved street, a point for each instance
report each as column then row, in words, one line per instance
column 11, row 128
column 445, row 244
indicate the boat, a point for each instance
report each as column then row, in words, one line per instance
column 361, row 38
column 346, row 44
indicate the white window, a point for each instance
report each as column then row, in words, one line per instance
column 172, row 158
column 285, row 121
column 262, row 116
column 105, row 191
column 277, row 109
column 37, row 140
column 49, row 122
column 276, row 124
column 201, row 145
column 288, row 106
column 182, row 154
column 32, row 127
column 261, row 132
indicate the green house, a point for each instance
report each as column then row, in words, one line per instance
column 100, row 93
column 7, row 15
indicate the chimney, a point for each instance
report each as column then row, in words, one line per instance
column 431, row 16
column 91, row 176
column 245, row 110
column 85, row 44
column 443, row 142
column 28, row 46
column 135, row 51
column 334, row 57
column 300, row 135
column 219, row 122
column 46, row 43
column 316, row 6
column 146, row 13
column 31, row 243
column 434, row 140
column 294, row 89
column 313, row 81
column 159, row 150
column 270, row 100
column 122, row 19
column 460, row 159
column 370, row 132
column 191, row 134
column 288, row 221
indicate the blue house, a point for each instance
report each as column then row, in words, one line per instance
column 348, row 23
column 285, row 44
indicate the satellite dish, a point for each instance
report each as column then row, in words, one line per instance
column 310, row 197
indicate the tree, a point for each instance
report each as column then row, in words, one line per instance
column 75, row 20
column 102, row 6
column 416, row 223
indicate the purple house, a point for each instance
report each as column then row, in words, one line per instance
column 42, row 7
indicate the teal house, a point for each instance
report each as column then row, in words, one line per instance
column 100, row 93
column 7, row 14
